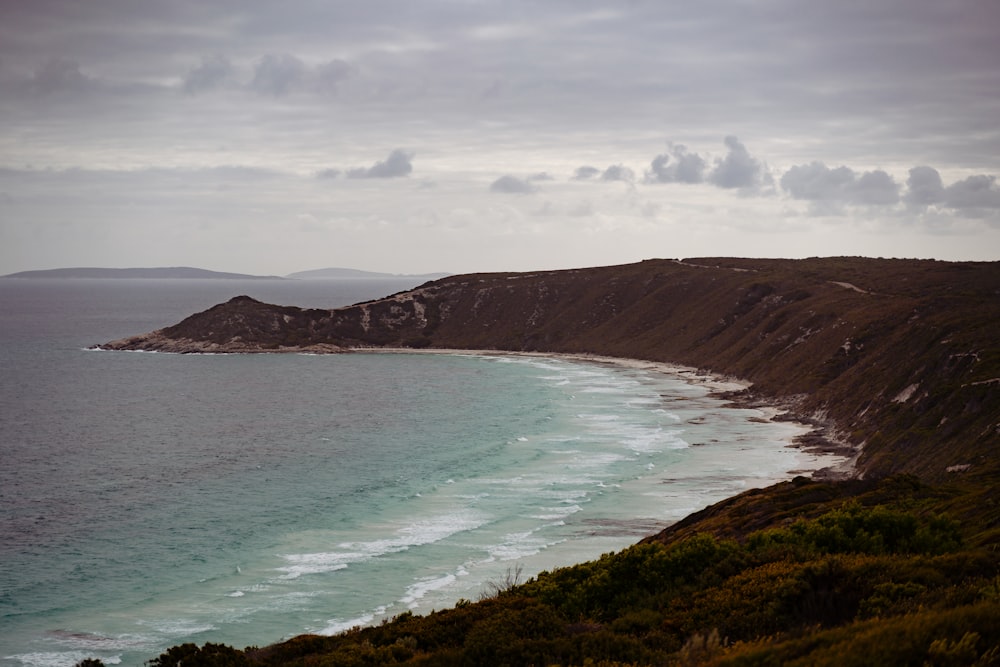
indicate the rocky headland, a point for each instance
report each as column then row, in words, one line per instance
column 896, row 357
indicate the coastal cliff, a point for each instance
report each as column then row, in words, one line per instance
column 898, row 358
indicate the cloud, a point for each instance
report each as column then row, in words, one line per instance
column 59, row 75
column 818, row 183
column 512, row 185
column 617, row 172
column 541, row 176
column 973, row 193
column 328, row 76
column 738, row 169
column 973, row 196
column 213, row 72
column 278, row 74
column 327, row 174
column 676, row 166
column 399, row 163
column 924, row 187
column 876, row 188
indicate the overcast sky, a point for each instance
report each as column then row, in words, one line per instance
column 483, row 135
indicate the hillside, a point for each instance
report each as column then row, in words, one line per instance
column 898, row 358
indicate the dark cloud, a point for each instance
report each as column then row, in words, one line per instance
column 585, row 173
column 327, row 174
column 617, row 172
column 973, row 193
column 818, row 183
column 876, row 188
column 399, row 163
column 512, row 185
column 924, row 187
column 328, row 76
column 676, row 166
column 59, row 75
column 213, row 72
column 278, row 74
column 738, row 169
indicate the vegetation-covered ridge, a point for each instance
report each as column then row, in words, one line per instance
column 898, row 566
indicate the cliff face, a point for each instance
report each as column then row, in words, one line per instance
column 901, row 355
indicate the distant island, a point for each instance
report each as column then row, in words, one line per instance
column 339, row 274
column 191, row 273
column 158, row 273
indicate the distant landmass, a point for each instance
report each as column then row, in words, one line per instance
column 160, row 273
column 338, row 273
column 188, row 273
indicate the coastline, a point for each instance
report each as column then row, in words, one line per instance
column 819, row 436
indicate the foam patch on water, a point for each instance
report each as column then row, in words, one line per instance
column 516, row 546
column 555, row 513
column 58, row 659
column 94, row 642
column 179, row 627
column 336, row 626
column 416, row 591
column 416, row 534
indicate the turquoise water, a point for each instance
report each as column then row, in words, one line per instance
column 150, row 499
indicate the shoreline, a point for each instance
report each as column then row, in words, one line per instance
column 820, row 437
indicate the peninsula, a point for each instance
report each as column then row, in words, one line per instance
column 897, row 359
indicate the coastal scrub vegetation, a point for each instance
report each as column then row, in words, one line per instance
column 884, row 576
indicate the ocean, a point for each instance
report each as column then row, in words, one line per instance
column 148, row 500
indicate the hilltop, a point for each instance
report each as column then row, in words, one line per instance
column 897, row 359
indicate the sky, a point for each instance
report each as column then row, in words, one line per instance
column 494, row 135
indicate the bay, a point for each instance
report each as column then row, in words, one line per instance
column 152, row 499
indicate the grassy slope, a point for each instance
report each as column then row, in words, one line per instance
column 899, row 356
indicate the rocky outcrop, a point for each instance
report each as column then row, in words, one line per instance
column 900, row 355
